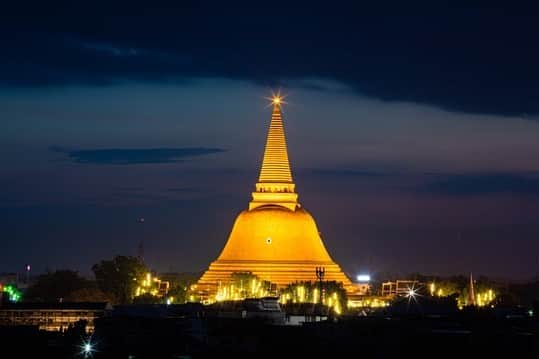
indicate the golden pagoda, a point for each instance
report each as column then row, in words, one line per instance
column 275, row 239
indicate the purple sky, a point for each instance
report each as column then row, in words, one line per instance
column 413, row 141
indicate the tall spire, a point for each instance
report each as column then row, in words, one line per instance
column 275, row 185
column 471, row 292
column 275, row 166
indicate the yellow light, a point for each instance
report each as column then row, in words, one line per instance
column 337, row 308
column 432, row 288
column 301, row 293
column 147, row 282
column 276, row 100
column 220, row 297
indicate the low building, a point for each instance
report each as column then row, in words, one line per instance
column 297, row 314
column 399, row 287
column 19, row 281
column 267, row 309
column 154, row 286
column 175, row 311
column 9, row 278
column 367, row 301
column 362, row 288
column 52, row 316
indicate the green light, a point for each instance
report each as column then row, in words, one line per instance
column 13, row 293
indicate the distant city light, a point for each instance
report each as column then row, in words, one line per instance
column 14, row 295
column 87, row 348
column 363, row 278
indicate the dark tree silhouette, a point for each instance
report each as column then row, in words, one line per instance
column 119, row 277
column 56, row 286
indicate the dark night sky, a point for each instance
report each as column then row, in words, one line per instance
column 413, row 132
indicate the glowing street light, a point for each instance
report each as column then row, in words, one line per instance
column 87, row 348
column 363, row 278
column 412, row 294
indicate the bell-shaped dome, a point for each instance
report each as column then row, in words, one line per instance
column 275, row 233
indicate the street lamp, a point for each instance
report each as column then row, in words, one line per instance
column 87, row 348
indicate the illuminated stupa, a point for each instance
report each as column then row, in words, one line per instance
column 275, row 239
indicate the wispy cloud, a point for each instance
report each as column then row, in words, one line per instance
column 184, row 190
column 111, row 49
column 483, row 183
column 349, row 172
column 439, row 183
column 117, row 156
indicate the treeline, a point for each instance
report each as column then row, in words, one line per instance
column 115, row 281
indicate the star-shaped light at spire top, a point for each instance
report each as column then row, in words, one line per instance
column 277, row 99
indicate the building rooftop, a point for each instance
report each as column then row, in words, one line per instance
column 56, row 306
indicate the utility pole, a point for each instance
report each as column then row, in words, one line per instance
column 140, row 249
column 320, row 272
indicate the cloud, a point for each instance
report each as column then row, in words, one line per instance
column 459, row 59
column 116, row 156
column 344, row 172
column 482, row 184
column 413, row 181
column 184, row 190
column 110, row 49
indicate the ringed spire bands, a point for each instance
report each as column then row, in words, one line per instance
column 275, row 185
column 275, row 165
